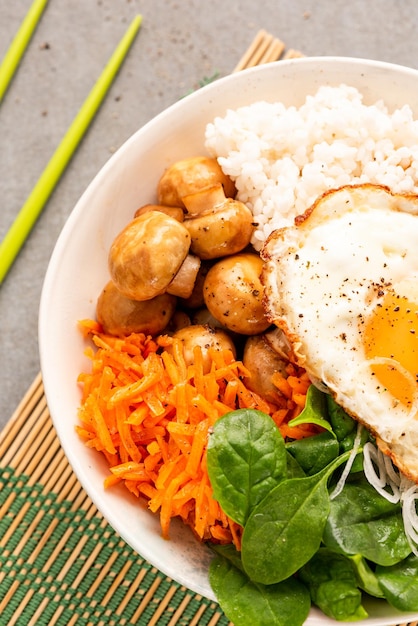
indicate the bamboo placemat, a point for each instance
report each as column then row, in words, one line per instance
column 60, row 561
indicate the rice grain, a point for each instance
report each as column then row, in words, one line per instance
column 282, row 158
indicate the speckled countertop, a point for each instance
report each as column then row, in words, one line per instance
column 180, row 43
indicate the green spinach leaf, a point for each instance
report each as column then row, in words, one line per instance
column 314, row 453
column 366, row 577
column 342, row 424
column 246, row 603
column 228, row 551
column 294, row 470
column 315, row 410
column 285, row 530
column 361, row 521
column 332, row 583
column 246, row 458
column 400, row 583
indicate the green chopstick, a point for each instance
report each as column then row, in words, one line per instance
column 30, row 211
column 19, row 44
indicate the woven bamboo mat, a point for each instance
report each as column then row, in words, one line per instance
column 60, row 562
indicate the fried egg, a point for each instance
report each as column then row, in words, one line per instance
column 342, row 283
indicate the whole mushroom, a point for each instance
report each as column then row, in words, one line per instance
column 262, row 361
column 120, row 316
column 218, row 226
column 206, row 338
column 233, row 293
column 147, row 254
column 190, row 175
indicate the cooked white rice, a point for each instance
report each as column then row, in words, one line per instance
column 282, row 159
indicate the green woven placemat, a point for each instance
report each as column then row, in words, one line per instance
column 60, row 561
column 59, row 566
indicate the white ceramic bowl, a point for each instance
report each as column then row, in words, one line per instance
column 78, row 271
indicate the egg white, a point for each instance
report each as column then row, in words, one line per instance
column 324, row 276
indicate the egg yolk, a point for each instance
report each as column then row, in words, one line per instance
column 392, row 333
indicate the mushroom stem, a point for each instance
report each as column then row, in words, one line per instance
column 206, row 199
column 183, row 282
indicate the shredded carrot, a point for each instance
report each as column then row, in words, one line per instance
column 149, row 412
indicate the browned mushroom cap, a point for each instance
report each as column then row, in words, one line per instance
column 179, row 320
column 206, row 337
column 218, row 226
column 262, row 362
column 188, row 176
column 204, row 316
column 122, row 316
column 233, row 293
column 147, row 254
column 173, row 211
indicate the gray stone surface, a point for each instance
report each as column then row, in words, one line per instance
column 180, row 43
